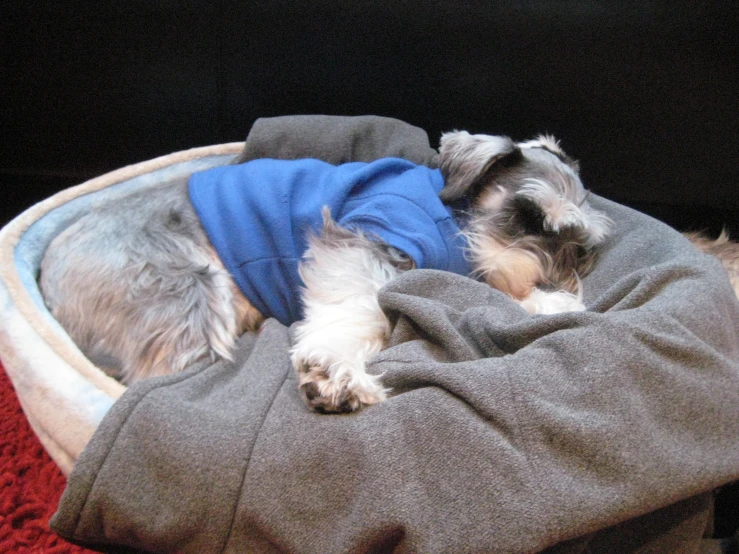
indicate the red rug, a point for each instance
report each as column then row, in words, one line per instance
column 30, row 484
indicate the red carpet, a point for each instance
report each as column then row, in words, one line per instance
column 30, row 484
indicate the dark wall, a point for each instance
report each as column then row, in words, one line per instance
column 643, row 93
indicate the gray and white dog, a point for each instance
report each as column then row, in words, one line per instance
column 142, row 290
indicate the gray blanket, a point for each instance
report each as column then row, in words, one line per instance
column 600, row 431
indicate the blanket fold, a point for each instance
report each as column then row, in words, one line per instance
column 505, row 432
column 337, row 139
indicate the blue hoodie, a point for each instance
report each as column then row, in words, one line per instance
column 257, row 215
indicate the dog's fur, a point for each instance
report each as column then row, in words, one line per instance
column 725, row 250
column 141, row 290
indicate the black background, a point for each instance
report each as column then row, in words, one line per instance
column 644, row 94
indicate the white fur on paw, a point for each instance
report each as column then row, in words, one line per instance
column 543, row 302
column 338, row 389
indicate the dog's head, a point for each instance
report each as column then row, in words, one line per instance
column 531, row 223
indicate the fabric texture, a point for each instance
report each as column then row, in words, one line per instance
column 30, row 484
column 258, row 216
column 596, row 431
column 337, row 139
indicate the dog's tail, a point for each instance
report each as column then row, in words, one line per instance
column 726, row 250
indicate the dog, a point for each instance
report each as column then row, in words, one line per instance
column 157, row 280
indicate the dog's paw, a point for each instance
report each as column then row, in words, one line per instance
column 552, row 302
column 338, row 390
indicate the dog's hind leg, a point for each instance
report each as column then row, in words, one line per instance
column 139, row 288
column 343, row 324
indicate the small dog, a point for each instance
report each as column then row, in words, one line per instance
column 159, row 280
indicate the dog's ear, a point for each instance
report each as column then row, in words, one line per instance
column 551, row 144
column 463, row 158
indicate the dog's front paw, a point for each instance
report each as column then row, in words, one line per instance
column 552, row 302
column 338, row 389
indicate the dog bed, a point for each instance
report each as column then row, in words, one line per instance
column 505, row 432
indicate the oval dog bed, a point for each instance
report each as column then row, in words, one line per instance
column 62, row 393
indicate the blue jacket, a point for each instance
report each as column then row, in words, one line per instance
column 257, row 215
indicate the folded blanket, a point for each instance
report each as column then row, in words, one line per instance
column 337, row 139
column 506, row 432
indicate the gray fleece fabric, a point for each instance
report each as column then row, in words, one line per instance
column 337, row 139
column 593, row 432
